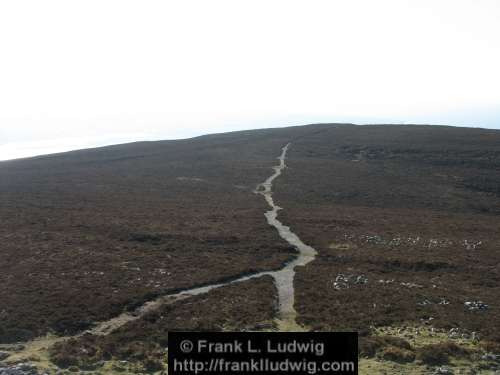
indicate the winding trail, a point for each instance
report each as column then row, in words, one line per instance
column 283, row 278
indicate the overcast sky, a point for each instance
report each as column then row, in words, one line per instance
column 77, row 74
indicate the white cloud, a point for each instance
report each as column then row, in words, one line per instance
column 71, row 69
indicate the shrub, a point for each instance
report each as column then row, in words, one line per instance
column 10, row 336
column 491, row 347
column 82, row 353
column 438, row 354
column 398, row 355
column 371, row 345
column 152, row 365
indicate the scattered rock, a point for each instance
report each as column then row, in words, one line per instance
column 4, row 355
column 344, row 281
column 444, row 370
column 411, row 285
column 490, row 357
column 426, row 302
column 361, row 279
column 429, row 243
column 454, row 333
column 340, row 286
column 433, row 243
column 19, row 369
column 377, row 240
column 472, row 245
column 457, row 333
column 475, row 306
column 427, row 320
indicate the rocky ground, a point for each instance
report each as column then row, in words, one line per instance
column 19, row 369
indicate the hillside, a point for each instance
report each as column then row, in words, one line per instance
column 404, row 220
